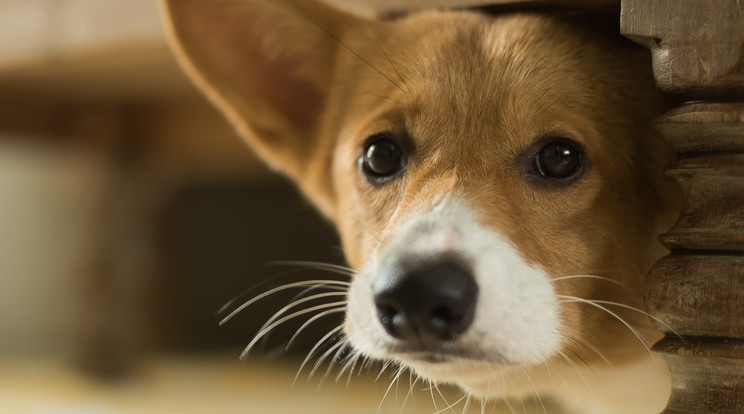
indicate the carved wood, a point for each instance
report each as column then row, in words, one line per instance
column 697, row 291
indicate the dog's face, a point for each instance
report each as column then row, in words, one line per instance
column 493, row 178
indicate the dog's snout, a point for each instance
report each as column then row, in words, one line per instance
column 428, row 302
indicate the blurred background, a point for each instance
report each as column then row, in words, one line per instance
column 130, row 214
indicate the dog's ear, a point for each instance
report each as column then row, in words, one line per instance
column 268, row 65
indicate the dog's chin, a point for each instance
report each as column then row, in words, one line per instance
column 450, row 369
column 481, row 379
column 452, row 364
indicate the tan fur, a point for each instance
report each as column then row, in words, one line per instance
column 306, row 85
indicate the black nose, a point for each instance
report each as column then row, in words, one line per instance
column 426, row 301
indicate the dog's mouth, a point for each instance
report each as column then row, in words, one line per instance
column 418, row 354
column 449, row 363
column 433, row 358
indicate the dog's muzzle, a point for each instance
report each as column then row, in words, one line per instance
column 425, row 301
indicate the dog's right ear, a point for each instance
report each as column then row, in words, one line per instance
column 268, row 65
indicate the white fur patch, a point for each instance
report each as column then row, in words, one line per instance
column 517, row 317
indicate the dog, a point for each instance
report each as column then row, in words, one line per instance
column 492, row 175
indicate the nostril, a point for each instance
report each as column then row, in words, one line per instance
column 441, row 314
column 386, row 314
column 440, row 320
column 395, row 321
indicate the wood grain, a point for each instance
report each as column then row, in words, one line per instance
column 697, row 46
column 708, row 375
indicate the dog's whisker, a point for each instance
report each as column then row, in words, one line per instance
column 451, row 406
column 576, row 354
column 616, row 316
column 360, row 362
column 575, row 368
column 323, row 357
column 591, row 348
column 392, row 66
column 411, row 385
column 283, row 320
column 638, row 326
column 342, row 362
column 279, row 289
column 327, row 284
column 310, row 321
column 509, row 378
column 583, row 361
column 297, row 303
column 382, row 96
column 365, row 365
column 433, row 400
column 588, row 276
column 508, row 405
column 368, row 363
column 366, row 230
column 350, row 366
column 535, row 394
column 546, row 366
column 353, row 52
column 394, row 380
column 316, row 287
column 333, row 361
column 439, row 392
column 317, row 345
column 385, row 366
column 309, row 264
column 345, row 364
column 632, row 308
column 466, row 406
column 430, row 387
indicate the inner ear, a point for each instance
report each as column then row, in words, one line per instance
column 268, row 65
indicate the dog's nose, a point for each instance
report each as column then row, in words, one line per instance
column 427, row 302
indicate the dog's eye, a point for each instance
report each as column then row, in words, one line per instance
column 382, row 158
column 558, row 159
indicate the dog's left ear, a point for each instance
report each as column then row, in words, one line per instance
column 268, row 65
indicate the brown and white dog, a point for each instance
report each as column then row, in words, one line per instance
column 493, row 178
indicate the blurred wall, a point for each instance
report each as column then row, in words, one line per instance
column 47, row 196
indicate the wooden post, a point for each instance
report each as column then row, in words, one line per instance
column 698, row 290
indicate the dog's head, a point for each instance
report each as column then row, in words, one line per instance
column 493, row 178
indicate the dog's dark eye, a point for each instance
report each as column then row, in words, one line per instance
column 558, row 159
column 382, row 158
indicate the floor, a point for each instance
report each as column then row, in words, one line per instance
column 214, row 385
